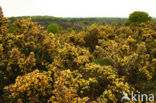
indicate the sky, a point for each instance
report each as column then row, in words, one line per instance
column 77, row 8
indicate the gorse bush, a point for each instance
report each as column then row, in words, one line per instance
column 41, row 67
column 34, row 87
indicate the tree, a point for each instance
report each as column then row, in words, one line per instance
column 137, row 17
column 54, row 28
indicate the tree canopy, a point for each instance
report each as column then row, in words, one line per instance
column 137, row 17
column 54, row 28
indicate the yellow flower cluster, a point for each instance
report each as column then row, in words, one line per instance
column 71, row 57
column 131, row 53
column 32, row 85
column 66, row 87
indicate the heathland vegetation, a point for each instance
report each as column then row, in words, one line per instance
column 94, row 64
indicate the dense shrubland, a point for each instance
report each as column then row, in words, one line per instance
column 41, row 67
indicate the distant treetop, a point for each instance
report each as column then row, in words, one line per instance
column 138, row 17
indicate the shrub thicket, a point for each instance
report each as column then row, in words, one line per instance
column 41, row 67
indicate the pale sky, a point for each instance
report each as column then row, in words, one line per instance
column 77, row 8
